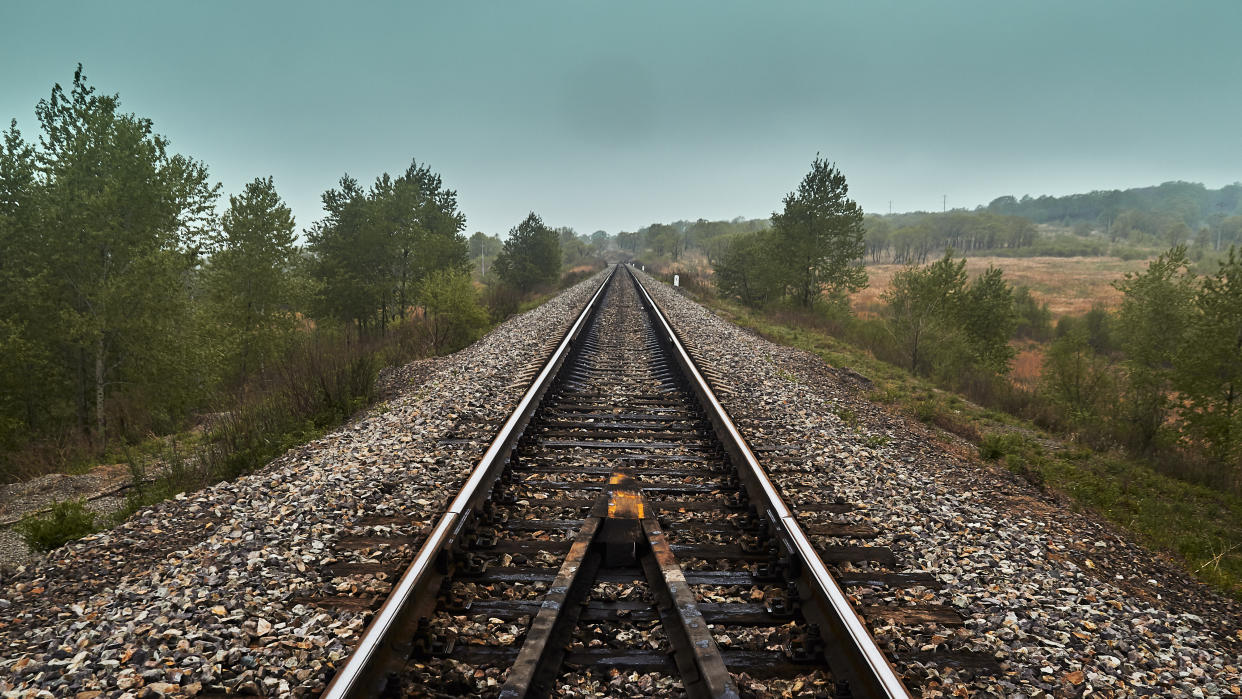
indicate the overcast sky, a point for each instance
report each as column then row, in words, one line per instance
column 614, row 115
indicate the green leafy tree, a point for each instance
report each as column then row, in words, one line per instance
column 252, row 278
column 351, row 259
column 599, row 241
column 820, row 237
column 373, row 247
column 574, row 249
column 29, row 327
column 1209, row 364
column 1075, row 377
column 664, row 240
column 484, row 249
column 1152, row 322
column 122, row 225
column 1034, row 318
column 628, row 241
column 743, row 267
column 920, row 309
column 531, row 256
column 422, row 224
column 451, row 304
column 987, row 317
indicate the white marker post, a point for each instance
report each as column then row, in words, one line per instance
column 676, row 280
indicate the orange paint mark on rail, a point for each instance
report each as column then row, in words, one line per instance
column 624, row 499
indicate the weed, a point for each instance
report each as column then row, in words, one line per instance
column 996, row 445
column 876, row 441
column 787, row 375
column 847, row 416
column 67, row 521
column 926, row 411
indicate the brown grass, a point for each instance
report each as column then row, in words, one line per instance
column 1027, row 365
column 1069, row 285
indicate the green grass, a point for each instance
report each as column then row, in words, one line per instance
column 1197, row 525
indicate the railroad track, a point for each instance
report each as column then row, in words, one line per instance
column 619, row 536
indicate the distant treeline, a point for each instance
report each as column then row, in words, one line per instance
column 671, row 240
column 1189, row 202
column 1131, row 224
column 1127, row 224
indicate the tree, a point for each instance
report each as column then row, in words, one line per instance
column 1075, row 376
column 987, row 317
column 122, row 224
column 819, row 237
column 574, row 249
column 421, row 220
column 483, row 248
column 1034, row 318
column 627, row 241
column 29, row 327
column 351, row 258
column 663, row 240
column 251, row 276
column 743, row 267
column 1209, row 365
column 531, row 255
column 599, row 241
column 1152, row 321
column 373, row 247
column 920, row 310
column 451, row 304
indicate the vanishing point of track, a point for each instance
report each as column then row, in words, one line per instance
column 621, row 520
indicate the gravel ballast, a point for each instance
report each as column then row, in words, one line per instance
column 215, row 591
column 222, row 590
column 1066, row 603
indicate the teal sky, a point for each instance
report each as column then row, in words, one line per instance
column 613, row 115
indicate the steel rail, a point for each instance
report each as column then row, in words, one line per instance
column 867, row 670
column 363, row 672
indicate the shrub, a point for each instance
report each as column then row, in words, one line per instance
column 452, row 317
column 1026, row 471
column 926, row 411
column 996, row 445
column 67, row 521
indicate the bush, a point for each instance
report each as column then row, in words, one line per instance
column 67, row 521
column 1032, row 474
column 452, row 316
column 1058, row 246
column 996, row 445
column 1034, row 318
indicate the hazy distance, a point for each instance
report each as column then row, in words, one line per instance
column 598, row 115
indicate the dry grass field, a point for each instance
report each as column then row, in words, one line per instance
column 1069, row 285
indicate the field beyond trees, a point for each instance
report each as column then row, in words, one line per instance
column 1070, row 286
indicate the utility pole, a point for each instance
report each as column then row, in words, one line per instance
column 944, row 202
column 890, row 207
